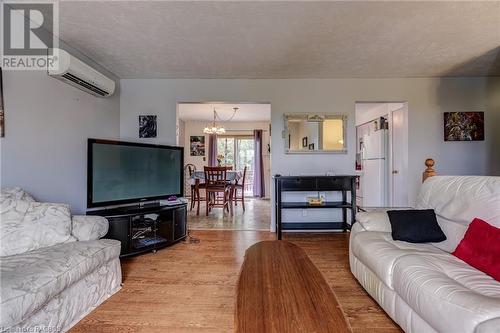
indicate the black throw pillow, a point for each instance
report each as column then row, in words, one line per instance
column 415, row 226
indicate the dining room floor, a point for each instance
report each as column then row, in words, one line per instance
column 257, row 216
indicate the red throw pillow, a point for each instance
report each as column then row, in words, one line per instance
column 480, row 248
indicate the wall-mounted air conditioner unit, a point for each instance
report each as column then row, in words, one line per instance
column 80, row 75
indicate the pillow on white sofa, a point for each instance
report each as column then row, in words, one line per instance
column 457, row 200
column 454, row 234
column 374, row 221
column 27, row 226
column 86, row 227
column 15, row 193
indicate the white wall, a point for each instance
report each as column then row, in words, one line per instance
column 427, row 100
column 47, row 124
column 493, row 86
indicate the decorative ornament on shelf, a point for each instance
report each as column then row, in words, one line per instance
column 218, row 130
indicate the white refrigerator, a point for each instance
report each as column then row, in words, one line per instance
column 374, row 177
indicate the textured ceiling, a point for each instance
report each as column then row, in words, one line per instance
column 204, row 111
column 205, row 39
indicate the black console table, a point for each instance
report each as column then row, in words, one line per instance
column 145, row 228
column 342, row 184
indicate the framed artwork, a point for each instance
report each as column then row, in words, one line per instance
column 197, row 145
column 2, row 112
column 147, row 126
column 311, row 146
column 304, row 141
column 463, row 126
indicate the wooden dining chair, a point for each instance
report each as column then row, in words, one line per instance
column 240, row 185
column 195, row 188
column 218, row 190
column 190, row 169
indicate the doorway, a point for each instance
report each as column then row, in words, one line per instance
column 242, row 143
column 382, row 153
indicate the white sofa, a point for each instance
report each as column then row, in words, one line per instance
column 54, row 268
column 422, row 287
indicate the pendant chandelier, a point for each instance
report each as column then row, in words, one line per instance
column 217, row 130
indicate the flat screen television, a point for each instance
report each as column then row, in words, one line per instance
column 126, row 172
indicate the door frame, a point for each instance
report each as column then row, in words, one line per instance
column 268, row 169
column 404, row 140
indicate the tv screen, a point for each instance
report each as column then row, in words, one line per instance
column 124, row 172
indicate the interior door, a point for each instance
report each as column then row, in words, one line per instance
column 399, row 170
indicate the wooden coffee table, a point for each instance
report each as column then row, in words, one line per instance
column 280, row 290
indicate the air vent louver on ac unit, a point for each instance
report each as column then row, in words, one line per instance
column 80, row 75
column 87, row 85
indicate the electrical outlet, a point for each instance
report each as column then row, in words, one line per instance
column 304, row 212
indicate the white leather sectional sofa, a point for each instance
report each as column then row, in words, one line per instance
column 54, row 268
column 422, row 287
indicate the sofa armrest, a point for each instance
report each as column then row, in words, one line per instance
column 87, row 228
column 374, row 221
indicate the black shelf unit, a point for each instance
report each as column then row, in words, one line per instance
column 145, row 228
column 305, row 205
column 343, row 184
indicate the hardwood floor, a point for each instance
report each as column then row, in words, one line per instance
column 257, row 216
column 190, row 287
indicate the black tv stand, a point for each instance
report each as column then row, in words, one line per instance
column 142, row 228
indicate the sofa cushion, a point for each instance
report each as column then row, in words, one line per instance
column 457, row 200
column 480, row 248
column 27, row 225
column 379, row 252
column 441, row 286
column 415, row 226
column 87, row 227
column 374, row 221
column 30, row 279
column 15, row 193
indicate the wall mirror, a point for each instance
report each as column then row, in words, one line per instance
column 315, row 133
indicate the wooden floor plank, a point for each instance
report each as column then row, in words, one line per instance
column 191, row 287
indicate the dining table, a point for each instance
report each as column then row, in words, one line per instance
column 232, row 177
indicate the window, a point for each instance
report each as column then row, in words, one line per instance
column 225, row 147
column 238, row 151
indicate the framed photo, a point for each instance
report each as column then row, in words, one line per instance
column 147, row 127
column 463, row 126
column 304, row 141
column 197, row 145
column 311, row 146
column 2, row 112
